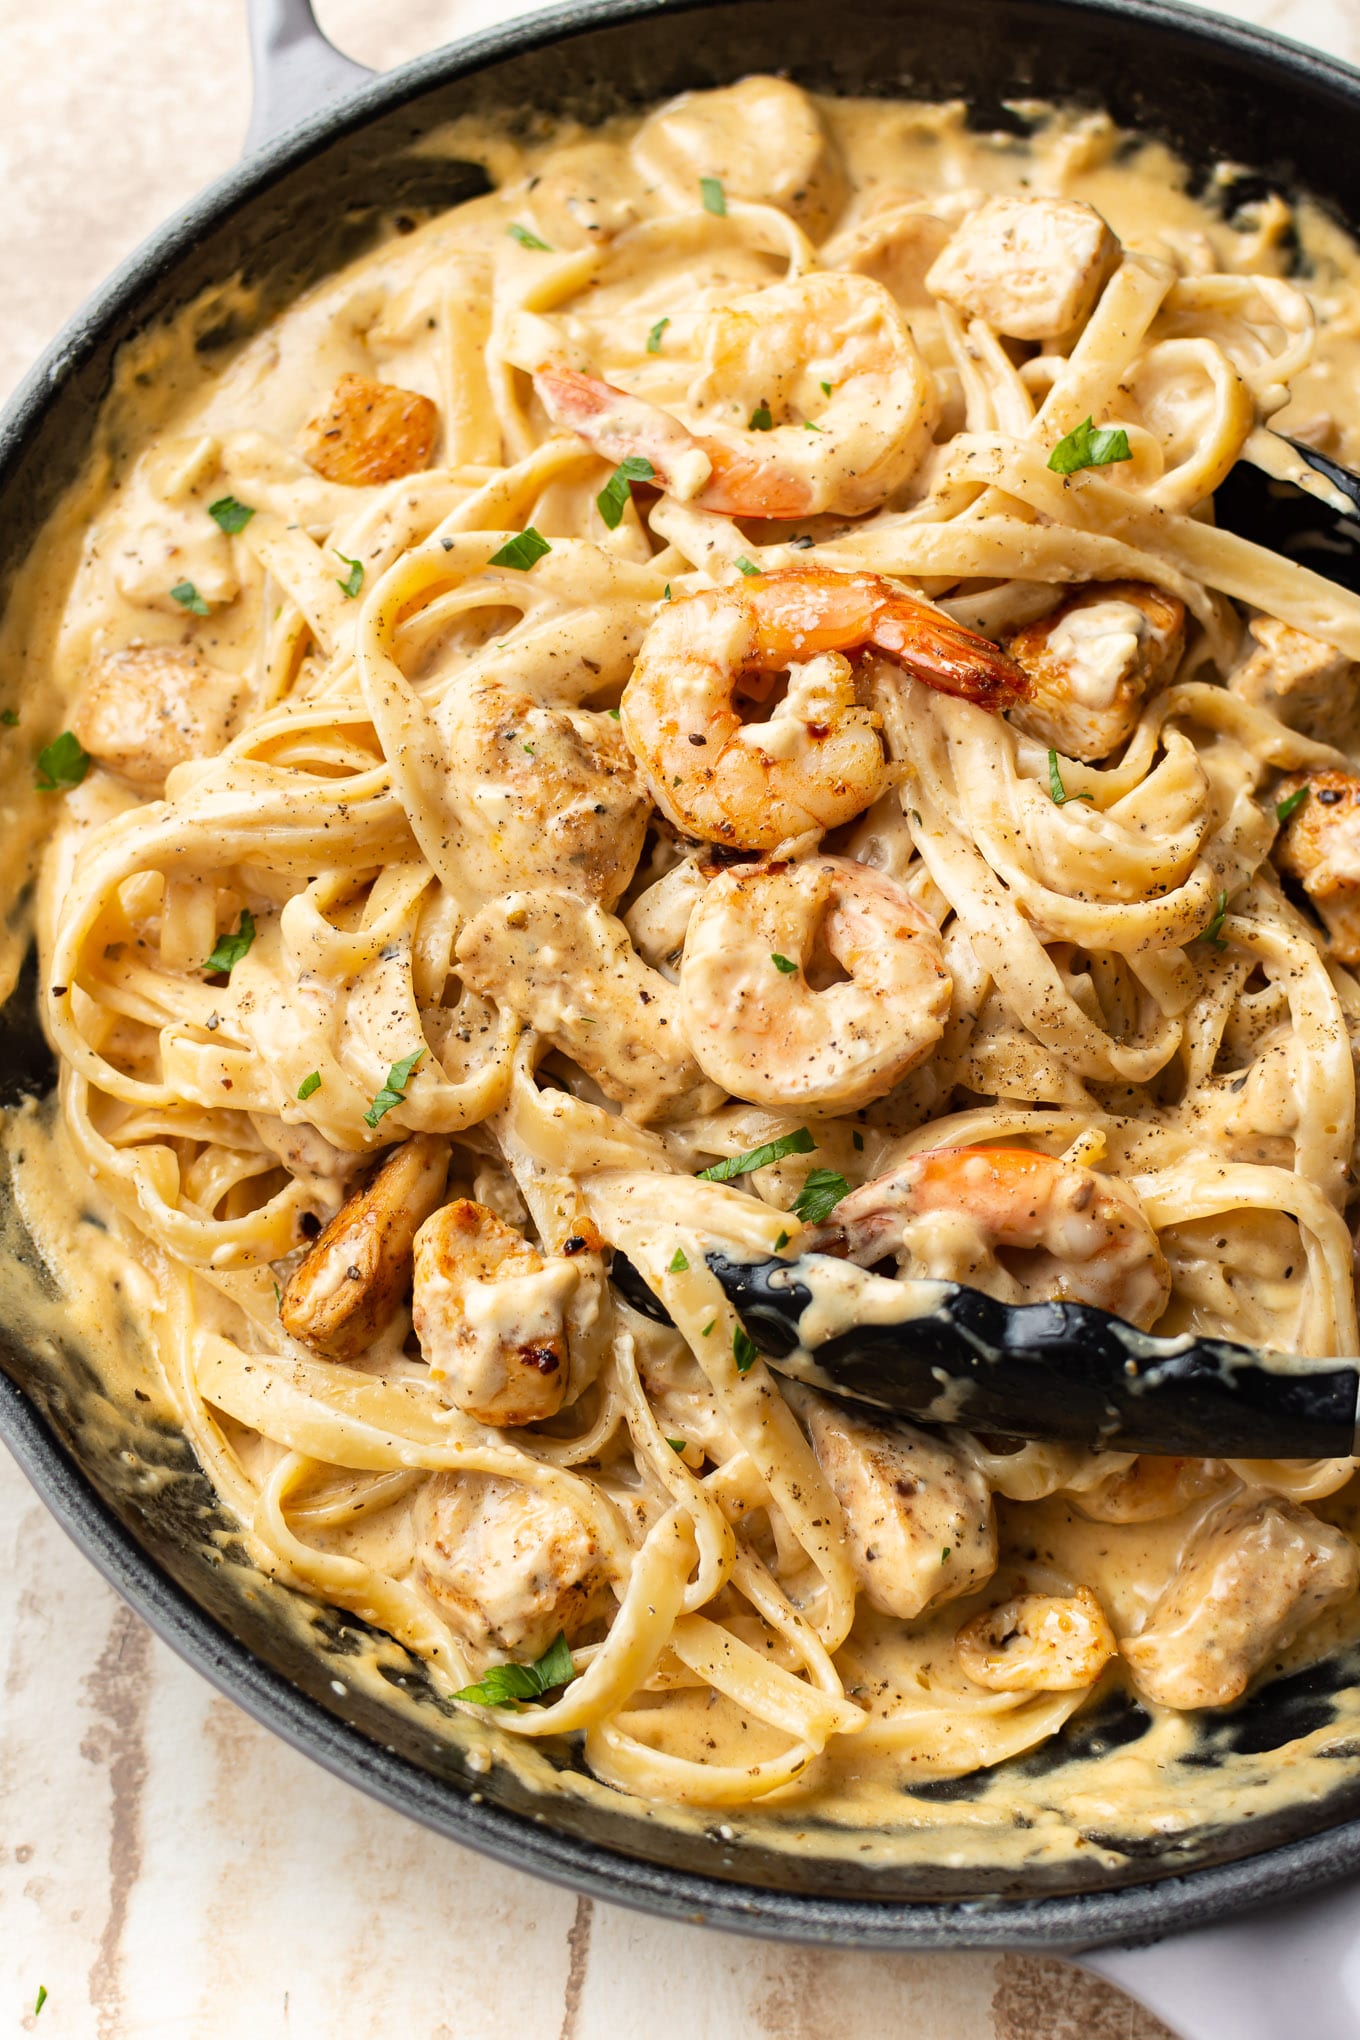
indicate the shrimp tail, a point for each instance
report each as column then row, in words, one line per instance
column 618, row 426
column 948, row 657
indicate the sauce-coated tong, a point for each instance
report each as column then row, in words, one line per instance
column 1063, row 1372
column 1310, row 525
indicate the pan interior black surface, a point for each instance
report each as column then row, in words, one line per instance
column 150, row 1518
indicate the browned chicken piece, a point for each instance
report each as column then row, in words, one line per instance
column 1037, row 1643
column 1256, row 1571
column 1309, row 685
column 508, row 1565
column 498, row 1323
column 148, row 709
column 351, row 1284
column 918, row 1519
column 1030, row 267
column 1093, row 662
column 1149, row 1489
column 371, row 432
column 1320, row 846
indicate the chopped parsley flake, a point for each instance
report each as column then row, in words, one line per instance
column 612, row 500
column 744, row 1350
column 713, row 196
column 826, row 389
column 676, row 1444
column 666, row 593
column 526, row 238
column 1213, row 932
column 744, row 566
column 781, row 1243
column 1089, row 445
column 1290, row 805
column 820, row 1195
column 808, row 426
column 799, row 1143
column 679, row 1264
column 709, row 1326
column 783, row 964
column 231, row 948
column 62, row 764
column 762, row 418
column 394, row 1090
column 616, row 713
column 310, row 1084
column 40, row 2000
column 522, row 551
column 10, row 718
column 188, row 597
column 230, row 515
column 354, row 579
column 944, row 1555
column 654, row 337
column 1057, row 791
column 507, row 1685
column 857, row 1141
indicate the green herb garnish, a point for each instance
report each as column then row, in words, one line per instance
column 354, row 579
column 230, row 515
column 188, row 597
column 857, row 1141
column 612, row 500
column 679, row 1264
column 1057, row 791
column 310, row 1084
column 676, row 1444
column 10, row 718
column 1212, row 932
column 1089, row 445
column 1284, row 808
column 944, row 1555
column 826, row 389
column 654, row 337
column 394, row 1090
column 783, row 964
column 744, row 1350
column 745, row 566
column 762, row 419
column 820, row 1195
column 507, row 1685
column 713, row 196
column 40, row 2000
column 61, row 764
column 522, row 551
column 526, row 238
column 231, row 948
column 781, row 1243
column 617, row 713
column 800, row 1143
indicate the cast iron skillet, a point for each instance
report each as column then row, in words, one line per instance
column 300, row 204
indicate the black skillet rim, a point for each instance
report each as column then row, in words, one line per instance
column 1136, row 1912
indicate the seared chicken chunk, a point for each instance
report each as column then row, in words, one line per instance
column 1037, row 1643
column 1030, row 267
column 1309, row 685
column 508, row 1565
column 918, row 1518
column 145, row 710
column 1320, row 846
column 499, row 1324
column 371, row 432
column 1256, row 1571
column 350, row 1285
column 570, row 969
column 1093, row 662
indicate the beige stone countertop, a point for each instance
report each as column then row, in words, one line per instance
column 166, row 1866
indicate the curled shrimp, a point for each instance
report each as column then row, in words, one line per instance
column 819, row 760
column 1021, row 1226
column 829, row 351
column 759, row 940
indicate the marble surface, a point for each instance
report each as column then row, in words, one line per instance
column 167, row 1867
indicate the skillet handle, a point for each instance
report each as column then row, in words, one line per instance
column 295, row 71
column 1294, row 1969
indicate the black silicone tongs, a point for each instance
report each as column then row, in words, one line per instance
column 1309, row 527
column 1063, row 1372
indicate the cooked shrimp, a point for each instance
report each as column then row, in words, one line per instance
column 505, row 1330
column 759, row 940
column 1037, row 1643
column 1066, row 1233
column 828, row 351
column 349, row 1286
column 819, row 760
column 371, row 432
